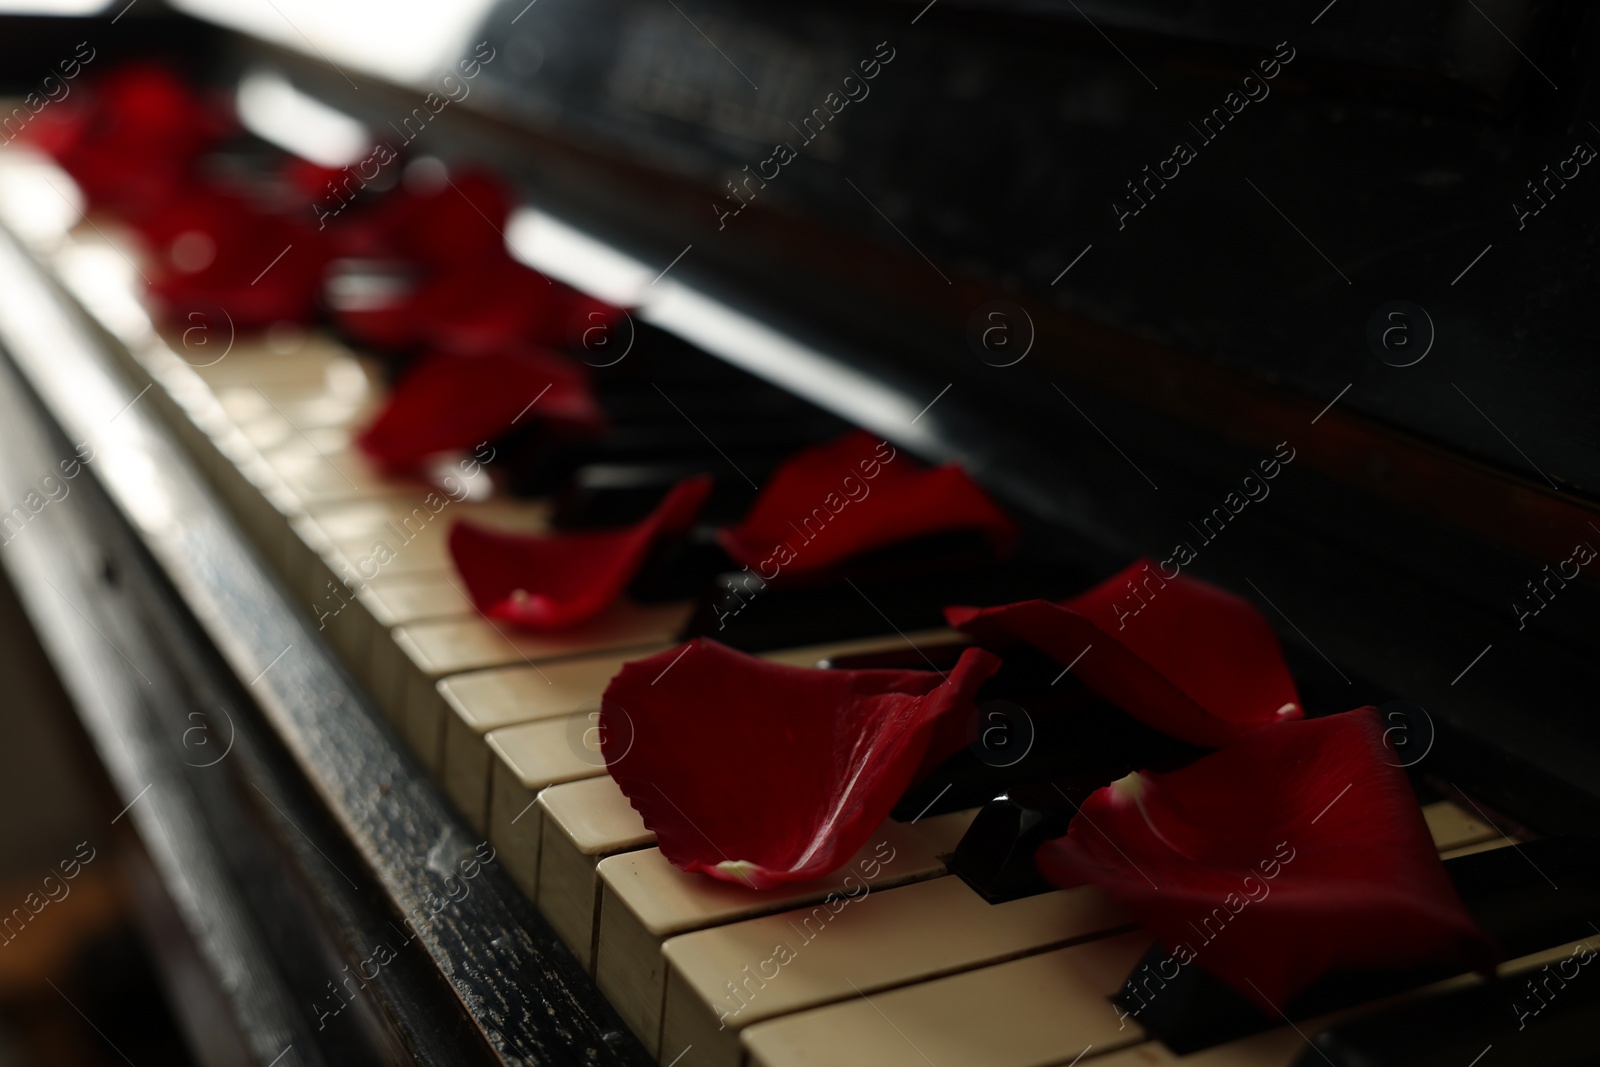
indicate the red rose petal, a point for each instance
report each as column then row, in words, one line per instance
column 448, row 402
column 553, row 581
column 854, row 495
column 481, row 306
column 131, row 139
column 759, row 773
column 498, row 300
column 1291, row 852
column 217, row 250
column 1183, row 656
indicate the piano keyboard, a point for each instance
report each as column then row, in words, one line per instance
column 909, row 966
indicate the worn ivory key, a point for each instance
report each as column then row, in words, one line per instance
column 429, row 651
column 722, row 980
column 484, row 701
column 1031, row 1012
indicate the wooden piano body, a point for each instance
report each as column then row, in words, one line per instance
column 384, row 738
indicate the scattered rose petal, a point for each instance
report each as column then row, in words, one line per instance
column 1291, row 852
column 450, row 402
column 460, row 220
column 854, row 495
column 215, row 250
column 759, row 773
column 552, row 581
column 478, row 307
column 1180, row 654
column 131, row 138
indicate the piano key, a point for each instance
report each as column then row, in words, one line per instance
column 581, row 823
column 1481, row 846
column 1449, row 826
column 423, row 653
column 717, row 982
column 645, row 900
column 318, row 474
column 944, row 832
column 1454, row 827
column 414, row 538
column 614, row 494
column 1031, row 1012
column 359, row 620
column 484, row 701
column 1293, row 1047
column 527, row 759
column 387, row 540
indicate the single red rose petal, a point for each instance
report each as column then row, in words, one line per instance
column 1290, row 853
column 496, row 301
column 131, row 139
column 478, row 307
column 759, row 773
column 458, row 221
column 853, row 495
column 214, row 249
column 1190, row 659
column 552, row 581
column 448, row 402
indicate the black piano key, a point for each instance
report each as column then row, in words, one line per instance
column 541, row 465
column 1547, row 1018
column 905, row 587
column 1035, row 724
column 995, row 855
column 1528, row 897
column 600, row 495
column 678, row 569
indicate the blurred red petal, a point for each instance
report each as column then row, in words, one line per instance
column 552, row 581
column 1291, row 852
column 1195, row 662
column 216, row 250
column 131, row 138
column 854, row 495
column 760, row 773
column 461, row 220
column 450, row 402
column 480, row 306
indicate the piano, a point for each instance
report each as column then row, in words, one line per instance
column 1109, row 257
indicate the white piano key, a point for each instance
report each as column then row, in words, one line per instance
column 1032, row 1012
column 582, row 823
column 645, row 900
column 1454, row 827
column 722, row 980
column 484, row 701
column 529, row 758
column 430, row 651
